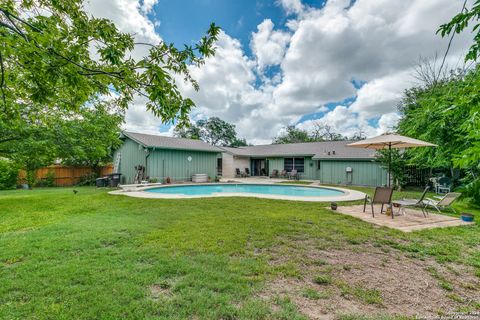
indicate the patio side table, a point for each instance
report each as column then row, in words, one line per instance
column 408, row 203
column 402, row 204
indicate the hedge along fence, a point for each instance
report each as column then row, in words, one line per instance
column 66, row 176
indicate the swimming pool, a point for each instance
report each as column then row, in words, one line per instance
column 264, row 189
column 257, row 190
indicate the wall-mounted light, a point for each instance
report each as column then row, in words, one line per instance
column 189, row 158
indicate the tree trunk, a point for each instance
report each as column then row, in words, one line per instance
column 96, row 168
column 30, row 177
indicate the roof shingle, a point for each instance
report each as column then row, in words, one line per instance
column 156, row 141
column 319, row 150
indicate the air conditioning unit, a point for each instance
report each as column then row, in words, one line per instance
column 348, row 169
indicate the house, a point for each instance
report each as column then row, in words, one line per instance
column 331, row 162
column 164, row 157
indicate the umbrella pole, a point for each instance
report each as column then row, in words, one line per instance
column 389, row 163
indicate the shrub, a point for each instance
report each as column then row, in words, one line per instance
column 8, row 174
column 472, row 191
column 48, row 181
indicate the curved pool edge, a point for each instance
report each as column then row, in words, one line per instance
column 348, row 194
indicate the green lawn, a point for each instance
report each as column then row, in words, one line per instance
column 94, row 255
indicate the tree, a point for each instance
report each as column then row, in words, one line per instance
column 461, row 21
column 191, row 131
column 36, row 150
column 359, row 135
column 54, row 55
column 397, row 166
column 212, row 130
column 468, row 157
column 320, row 132
column 447, row 114
column 56, row 61
column 217, row 132
column 324, row 132
column 444, row 114
column 293, row 134
column 239, row 142
column 8, row 174
column 89, row 137
column 86, row 137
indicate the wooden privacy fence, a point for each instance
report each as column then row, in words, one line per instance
column 66, row 176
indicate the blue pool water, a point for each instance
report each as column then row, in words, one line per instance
column 247, row 188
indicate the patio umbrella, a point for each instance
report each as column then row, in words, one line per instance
column 389, row 141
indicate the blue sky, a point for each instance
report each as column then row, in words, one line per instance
column 185, row 21
column 281, row 62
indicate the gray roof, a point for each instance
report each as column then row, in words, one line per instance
column 318, row 150
column 156, row 141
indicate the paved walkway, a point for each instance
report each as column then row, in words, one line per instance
column 413, row 220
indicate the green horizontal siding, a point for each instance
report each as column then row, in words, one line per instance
column 132, row 154
column 275, row 164
column 310, row 169
column 364, row 173
column 164, row 163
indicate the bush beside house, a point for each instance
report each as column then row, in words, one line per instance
column 8, row 174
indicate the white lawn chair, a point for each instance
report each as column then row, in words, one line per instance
column 443, row 202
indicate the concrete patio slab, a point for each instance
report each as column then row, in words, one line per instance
column 413, row 220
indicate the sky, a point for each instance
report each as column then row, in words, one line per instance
column 291, row 62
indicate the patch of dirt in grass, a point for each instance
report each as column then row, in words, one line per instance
column 159, row 291
column 370, row 281
column 12, row 262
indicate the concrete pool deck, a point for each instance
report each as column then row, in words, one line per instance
column 348, row 195
column 413, row 220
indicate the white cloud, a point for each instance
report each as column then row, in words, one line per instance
column 147, row 5
column 343, row 121
column 227, row 90
column 137, row 119
column 334, row 45
column 324, row 51
column 382, row 95
column 387, row 122
column 268, row 45
column 129, row 16
column 291, row 6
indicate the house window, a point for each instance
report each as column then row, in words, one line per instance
column 294, row 163
column 288, row 164
column 299, row 164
